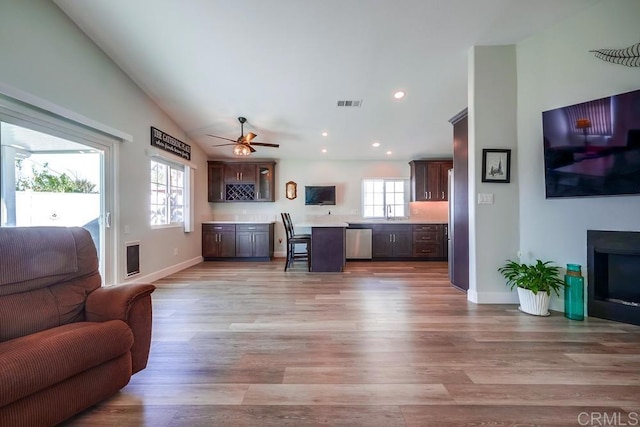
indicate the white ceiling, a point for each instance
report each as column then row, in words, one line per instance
column 284, row 64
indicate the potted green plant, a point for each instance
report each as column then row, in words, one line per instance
column 534, row 282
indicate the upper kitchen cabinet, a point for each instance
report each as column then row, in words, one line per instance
column 240, row 172
column 265, row 181
column 429, row 180
column 241, row 181
column 216, row 181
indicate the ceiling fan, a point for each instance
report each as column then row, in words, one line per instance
column 243, row 145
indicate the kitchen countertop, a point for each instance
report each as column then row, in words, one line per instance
column 321, row 224
column 336, row 223
column 395, row 221
column 237, row 222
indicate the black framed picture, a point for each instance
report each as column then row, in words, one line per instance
column 496, row 165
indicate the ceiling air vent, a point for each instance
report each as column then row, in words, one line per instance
column 350, row 103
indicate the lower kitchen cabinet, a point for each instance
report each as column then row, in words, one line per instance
column 254, row 240
column 229, row 241
column 218, row 240
column 429, row 241
column 391, row 241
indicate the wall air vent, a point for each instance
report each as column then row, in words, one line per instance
column 357, row 103
column 132, row 258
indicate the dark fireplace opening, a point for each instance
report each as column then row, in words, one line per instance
column 616, row 277
column 613, row 264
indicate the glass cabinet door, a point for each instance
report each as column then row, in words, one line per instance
column 265, row 182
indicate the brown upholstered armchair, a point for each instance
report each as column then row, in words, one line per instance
column 66, row 343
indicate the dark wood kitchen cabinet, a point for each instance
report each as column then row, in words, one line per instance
column 429, row 241
column 265, row 181
column 218, row 241
column 391, row 241
column 241, row 181
column 254, row 241
column 229, row 241
column 240, row 172
column 216, row 182
column 429, row 180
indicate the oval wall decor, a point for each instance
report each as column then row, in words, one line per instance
column 291, row 190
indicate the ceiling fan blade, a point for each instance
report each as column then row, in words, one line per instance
column 265, row 144
column 248, row 137
column 253, row 150
column 221, row 137
column 223, row 145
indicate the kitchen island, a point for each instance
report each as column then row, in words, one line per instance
column 328, row 253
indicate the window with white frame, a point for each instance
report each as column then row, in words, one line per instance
column 385, row 198
column 168, row 182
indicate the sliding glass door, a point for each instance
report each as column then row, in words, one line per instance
column 48, row 178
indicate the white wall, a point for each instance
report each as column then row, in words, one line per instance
column 555, row 68
column 345, row 175
column 493, row 227
column 44, row 54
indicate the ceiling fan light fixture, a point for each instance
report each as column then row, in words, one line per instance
column 241, row 150
column 242, row 146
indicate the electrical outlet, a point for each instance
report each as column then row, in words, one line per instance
column 175, row 251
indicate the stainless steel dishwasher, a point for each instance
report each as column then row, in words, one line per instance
column 358, row 243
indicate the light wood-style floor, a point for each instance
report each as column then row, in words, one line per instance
column 382, row 344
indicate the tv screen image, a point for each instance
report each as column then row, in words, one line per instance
column 593, row 148
column 320, row 195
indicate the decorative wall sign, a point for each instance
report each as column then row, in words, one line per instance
column 168, row 143
column 496, row 165
column 629, row 56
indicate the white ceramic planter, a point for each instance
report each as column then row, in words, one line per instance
column 536, row 304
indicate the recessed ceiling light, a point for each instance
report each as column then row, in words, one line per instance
column 375, row 144
column 389, row 153
column 325, row 133
column 324, row 150
column 399, row 94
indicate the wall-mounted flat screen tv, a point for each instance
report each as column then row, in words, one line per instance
column 320, row 195
column 593, row 148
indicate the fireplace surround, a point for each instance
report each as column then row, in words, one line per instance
column 613, row 265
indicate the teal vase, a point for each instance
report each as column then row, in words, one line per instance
column 574, row 293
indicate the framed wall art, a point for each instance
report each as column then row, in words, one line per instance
column 496, row 165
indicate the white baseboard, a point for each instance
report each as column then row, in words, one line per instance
column 280, row 254
column 492, row 297
column 150, row 278
column 555, row 304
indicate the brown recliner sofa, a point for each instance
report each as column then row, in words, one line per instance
column 66, row 342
